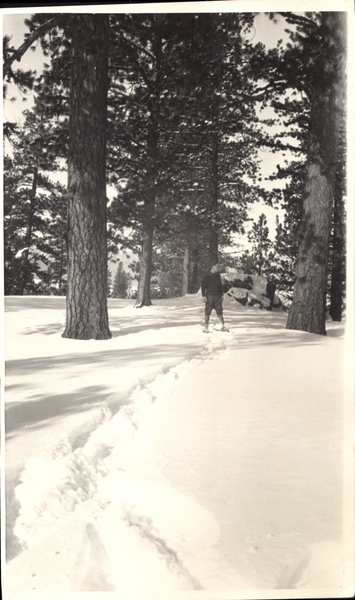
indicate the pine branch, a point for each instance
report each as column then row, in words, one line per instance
column 138, row 47
column 299, row 20
column 18, row 54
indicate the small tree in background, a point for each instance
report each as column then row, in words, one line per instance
column 261, row 245
column 121, row 283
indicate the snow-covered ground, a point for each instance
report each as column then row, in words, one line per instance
column 167, row 463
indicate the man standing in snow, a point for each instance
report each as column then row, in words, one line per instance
column 212, row 294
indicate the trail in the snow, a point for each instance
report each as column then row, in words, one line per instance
column 168, row 484
column 69, row 477
column 113, row 487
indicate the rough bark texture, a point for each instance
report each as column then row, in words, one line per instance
column 87, row 316
column 308, row 310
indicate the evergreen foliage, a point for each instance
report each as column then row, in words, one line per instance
column 121, row 282
column 261, row 245
column 183, row 132
column 178, row 147
column 34, row 212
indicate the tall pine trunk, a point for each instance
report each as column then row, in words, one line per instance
column 185, row 272
column 308, row 310
column 145, row 259
column 145, row 262
column 87, row 316
column 28, row 236
column 213, row 248
column 194, row 282
column 260, row 259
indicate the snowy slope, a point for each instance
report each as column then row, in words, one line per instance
column 170, row 463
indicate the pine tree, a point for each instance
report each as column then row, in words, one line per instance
column 137, row 138
column 200, row 156
column 261, row 245
column 308, row 310
column 182, row 136
column 120, row 283
column 24, row 81
column 220, row 125
column 285, row 245
column 86, row 315
column 311, row 69
column 87, row 36
column 31, row 201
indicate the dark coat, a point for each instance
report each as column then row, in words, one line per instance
column 212, row 285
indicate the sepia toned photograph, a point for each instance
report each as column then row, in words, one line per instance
column 177, row 379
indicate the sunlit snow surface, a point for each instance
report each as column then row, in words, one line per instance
column 170, row 463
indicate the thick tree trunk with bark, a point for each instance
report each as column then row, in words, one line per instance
column 87, row 316
column 308, row 310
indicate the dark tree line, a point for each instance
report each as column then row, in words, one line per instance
column 148, row 105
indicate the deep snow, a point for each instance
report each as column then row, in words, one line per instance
column 170, row 463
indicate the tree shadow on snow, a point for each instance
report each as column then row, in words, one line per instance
column 44, row 329
column 95, row 360
column 21, row 303
column 288, row 339
column 121, row 328
column 37, row 411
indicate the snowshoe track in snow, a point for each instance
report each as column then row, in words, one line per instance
column 96, row 513
column 106, row 474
